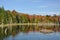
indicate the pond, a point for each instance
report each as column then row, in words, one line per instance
column 31, row 33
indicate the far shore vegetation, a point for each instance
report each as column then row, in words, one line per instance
column 7, row 16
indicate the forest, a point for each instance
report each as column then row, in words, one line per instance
column 7, row 16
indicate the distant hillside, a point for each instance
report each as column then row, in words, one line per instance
column 7, row 16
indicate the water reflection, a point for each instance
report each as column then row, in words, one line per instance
column 31, row 32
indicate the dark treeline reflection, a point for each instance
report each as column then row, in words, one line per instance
column 14, row 30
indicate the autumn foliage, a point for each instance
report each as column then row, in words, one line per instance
column 7, row 16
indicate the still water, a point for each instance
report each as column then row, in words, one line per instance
column 31, row 33
column 34, row 36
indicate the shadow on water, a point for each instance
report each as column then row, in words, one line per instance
column 6, row 32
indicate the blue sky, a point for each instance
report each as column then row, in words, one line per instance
column 38, row 7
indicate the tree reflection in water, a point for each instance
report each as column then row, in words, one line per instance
column 26, row 29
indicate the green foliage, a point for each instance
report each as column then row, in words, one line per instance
column 7, row 17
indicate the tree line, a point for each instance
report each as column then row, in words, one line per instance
column 7, row 16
